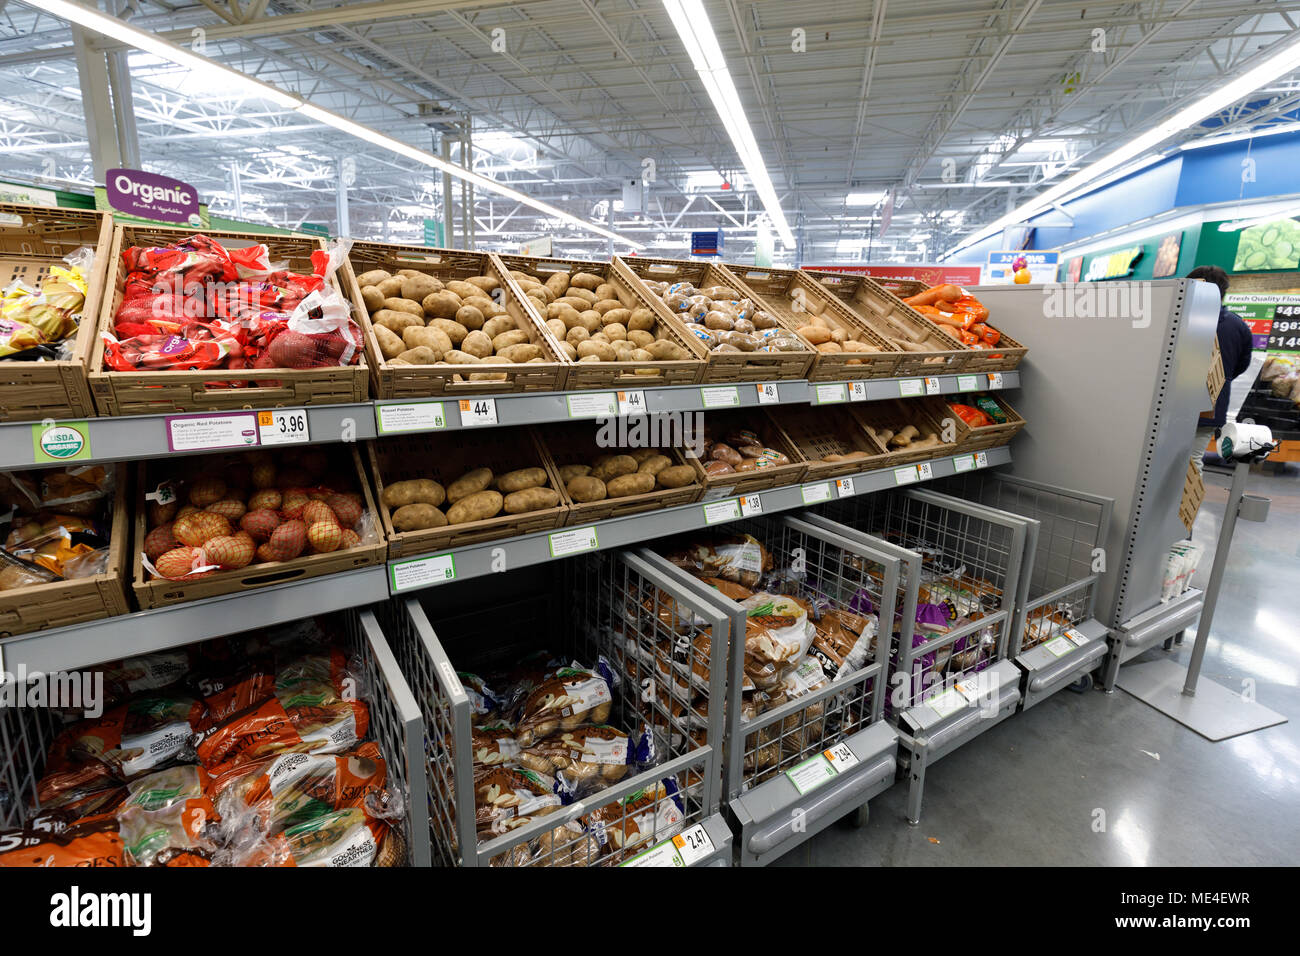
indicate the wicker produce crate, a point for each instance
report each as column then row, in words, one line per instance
column 32, row 391
column 817, row 432
column 903, row 288
column 576, row 444
column 160, row 592
column 427, row 456
column 416, row 381
column 987, row 436
column 787, row 293
column 162, row 392
column 927, row 348
column 40, row 607
column 717, row 425
column 721, row 366
column 633, row 294
column 923, row 413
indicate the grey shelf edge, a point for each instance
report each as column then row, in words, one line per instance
column 135, row 437
column 408, row 575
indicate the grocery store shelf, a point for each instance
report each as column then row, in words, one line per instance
column 459, row 564
column 151, row 436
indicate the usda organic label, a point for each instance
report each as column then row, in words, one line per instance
column 60, row 441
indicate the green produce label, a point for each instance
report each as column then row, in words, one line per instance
column 1270, row 245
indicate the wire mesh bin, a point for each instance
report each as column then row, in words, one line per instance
column 806, row 742
column 951, row 677
column 661, row 654
column 1058, row 640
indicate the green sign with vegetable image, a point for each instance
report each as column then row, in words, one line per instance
column 1270, row 245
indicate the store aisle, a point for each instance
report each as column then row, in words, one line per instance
column 1028, row 791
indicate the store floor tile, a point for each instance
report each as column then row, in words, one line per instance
column 1096, row 779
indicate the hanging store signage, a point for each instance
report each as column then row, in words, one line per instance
column 30, row 195
column 707, row 243
column 1273, row 317
column 1040, row 263
column 931, row 274
column 1113, row 265
column 538, row 247
column 433, row 234
column 153, row 197
column 1166, row 263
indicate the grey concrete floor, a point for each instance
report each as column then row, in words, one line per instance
column 1030, row 790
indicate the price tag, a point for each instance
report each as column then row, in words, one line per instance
column 718, row 511
column 967, row 383
column 573, row 541
column 949, row 702
column 857, row 391
column 416, row 417
column 720, row 397
column 923, row 471
column 841, row 757
column 968, row 688
column 1058, row 646
column 283, row 426
column 632, row 403
column 829, row 393
column 164, row 494
column 421, row 572
column 911, row 387
column 665, row 854
column 845, row 487
column 995, row 379
column 932, row 386
column 905, row 476
column 768, row 394
column 477, row 411
column 1078, row 637
column 962, row 463
column 206, row 432
column 981, row 460
column 587, row 405
column 815, row 494
column 811, row 774
column 693, row 845
column 750, row 505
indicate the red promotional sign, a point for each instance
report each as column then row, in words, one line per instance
column 932, row 275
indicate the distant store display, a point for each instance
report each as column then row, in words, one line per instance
column 1273, row 317
column 1041, row 264
column 930, row 273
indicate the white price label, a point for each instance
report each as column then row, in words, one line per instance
column 283, row 426
column 948, row 702
column 750, row 505
column 932, row 386
column 968, row 688
column 591, row 405
column 924, row 472
column 995, row 379
column 720, row 397
column 718, row 511
column 477, row 411
column 573, row 541
column 1058, row 646
column 857, row 391
column 693, row 844
column 981, row 460
column 1078, row 637
column 845, row 487
column 665, row 854
column 421, row 572
column 841, row 757
column 905, row 476
column 815, row 494
column 962, row 463
column 911, row 387
column 967, row 383
column 829, row 394
column 632, row 403
column 811, row 774
column 417, row 417
column 768, row 394
column 205, row 432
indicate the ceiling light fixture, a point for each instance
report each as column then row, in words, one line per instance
column 246, row 85
column 692, row 23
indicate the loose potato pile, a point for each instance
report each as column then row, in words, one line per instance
column 417, row 504
column 421, row 320
column 638, row 472
column 590, row 322
column 724, row 321
column 901, row 435
column 823, row 334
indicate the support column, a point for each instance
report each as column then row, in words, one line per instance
column 101, row 133
column 237, row 188
column 467, row 152
column 119, row 79
column 448, row 221
column 341, row 201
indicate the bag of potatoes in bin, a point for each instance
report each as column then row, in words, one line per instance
column 506, row 798
column 740, row 558
column 350, row 837
column 320, row 331
column 568, row 698
column 642, row 818
column 581, row 760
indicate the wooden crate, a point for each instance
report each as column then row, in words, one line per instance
column 159, row 592
column 924, row 413
column 987, row 436
column 817, row 432
column 40, row 607
column 718, row 424
column 32, row 391
column 927, row 348
column 576, row 444
column 417, row 381
column 721, row 366
column 633, row 294
column 903, row 288
column 401, row 457
column 162, row 392
column 787, row 293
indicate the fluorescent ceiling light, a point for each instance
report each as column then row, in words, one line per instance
column 1272, row 67
column 863, row 199
column 1235, row 137
column 248, row 86
column 982, row 184
column 701, row 43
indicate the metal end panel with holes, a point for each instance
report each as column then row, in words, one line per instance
column 820, row 756
column 666, row 653
column 945, row 688
column 26, row 734
column 1060, row 640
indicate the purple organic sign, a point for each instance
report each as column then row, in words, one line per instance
column 150, row 196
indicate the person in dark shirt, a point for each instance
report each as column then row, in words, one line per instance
column 1235, row 345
